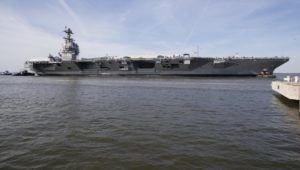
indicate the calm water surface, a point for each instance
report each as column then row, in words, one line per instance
column 146, row 123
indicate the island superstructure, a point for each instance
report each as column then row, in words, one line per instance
column 67, row 63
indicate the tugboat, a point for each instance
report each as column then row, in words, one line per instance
column 266, row 74
column 23, row 73
column 6, row 73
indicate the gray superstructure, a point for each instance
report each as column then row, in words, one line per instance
column 68, row 64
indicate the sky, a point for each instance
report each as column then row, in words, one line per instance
column 147, row 28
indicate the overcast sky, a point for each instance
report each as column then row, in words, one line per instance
column 221, row 28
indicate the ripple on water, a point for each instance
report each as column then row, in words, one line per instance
column 139, row 123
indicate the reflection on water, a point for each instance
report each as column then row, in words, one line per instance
column 290, row 107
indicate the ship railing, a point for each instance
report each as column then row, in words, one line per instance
column 105, row 58
column 244, row 57
column 37, row 61
column 54, row 62
column 180, row 57
column 174, row 56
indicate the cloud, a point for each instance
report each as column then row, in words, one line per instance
column 148, row 28
column 20, row 41
column 202, row 13
column 74, row 16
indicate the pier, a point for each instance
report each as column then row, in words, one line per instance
column 289, row 88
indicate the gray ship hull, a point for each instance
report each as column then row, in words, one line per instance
column 163, row 67
column 67, row 64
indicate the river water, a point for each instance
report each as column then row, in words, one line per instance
column 146, row 123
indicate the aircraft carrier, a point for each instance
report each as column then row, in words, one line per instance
column 67, row 64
